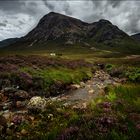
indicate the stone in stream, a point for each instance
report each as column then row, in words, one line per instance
column 75, row 86
column 82, row 84
column 91, row 91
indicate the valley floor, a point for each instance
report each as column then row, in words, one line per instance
column 53, row 98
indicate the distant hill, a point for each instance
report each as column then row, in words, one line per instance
column 55, row 30
column 136, row 36
column 7, row 42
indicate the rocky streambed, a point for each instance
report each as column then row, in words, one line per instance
column 88, row 91
column 16, row 104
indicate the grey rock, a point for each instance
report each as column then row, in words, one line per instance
column 36, row 104
column 21, row 95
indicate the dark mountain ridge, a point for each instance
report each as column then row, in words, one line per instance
column 136, row 36
column 55, row 26
column 58, row 30
column 8, row 41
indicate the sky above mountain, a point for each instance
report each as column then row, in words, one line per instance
column 18, row 17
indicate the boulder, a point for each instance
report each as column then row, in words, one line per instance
column 15, row 94
column 21, row 95
column 8, row 91
column 36, row 104
column 20, row 104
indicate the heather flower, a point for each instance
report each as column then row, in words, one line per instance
column 26, row 77
column 106, row 110
column 68, row 133
column 17, row 119
column 138, row 126
column 104, row 123
column 106, row 104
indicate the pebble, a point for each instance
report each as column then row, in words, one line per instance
column 7, row 115
column 91, row 91
column 66, row 104
column 20, row 104
column 24, row 132
column 82, row 84
column 75, row 86
column 21, row 94
column 32, row 118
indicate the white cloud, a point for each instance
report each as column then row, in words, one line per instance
column 13, row 27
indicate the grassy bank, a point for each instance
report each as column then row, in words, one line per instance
column 42, row 75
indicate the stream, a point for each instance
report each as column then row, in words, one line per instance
column 88, row 91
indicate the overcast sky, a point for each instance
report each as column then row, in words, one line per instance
column 18, row 17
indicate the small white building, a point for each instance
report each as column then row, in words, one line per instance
column 52, row 54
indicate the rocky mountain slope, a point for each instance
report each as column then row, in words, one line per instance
column 55, row 26
column 136, row 36
column 58, row 30
column 7, row 42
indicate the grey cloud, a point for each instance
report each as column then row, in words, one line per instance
column 52, row 5
column 124, row 13
column 21, row 22
column 3, row 24
column 18, row 6
column 11, row 6
column 25, row 14
column 115, row 3
column 67, row 9
column 133, row 24
column 96, row 3
column 49, row 5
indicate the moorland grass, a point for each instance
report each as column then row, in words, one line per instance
column 107, row 118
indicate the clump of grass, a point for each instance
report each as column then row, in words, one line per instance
column 131, row 73
column 107, row 117
column 127, row 92
column 55, row 80
column 111, row 96
column 42, row 75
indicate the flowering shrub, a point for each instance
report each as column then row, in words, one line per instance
column 68, row 133
column 17, row 119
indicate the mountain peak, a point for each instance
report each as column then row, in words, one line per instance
column 54, row 14
column 104, row 21
column 55, row 26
